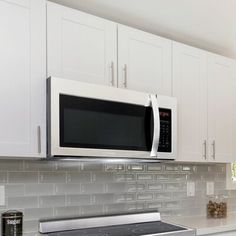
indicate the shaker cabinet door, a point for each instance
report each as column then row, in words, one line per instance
column 221, row 100
column 22, row 78
column 81, row 46
column 190, row 88
column 144, row 61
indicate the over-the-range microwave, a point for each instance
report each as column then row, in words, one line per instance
column 88, row 120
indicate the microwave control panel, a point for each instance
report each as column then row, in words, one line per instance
column 165, row 144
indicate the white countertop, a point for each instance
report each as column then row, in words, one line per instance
column 205, row 226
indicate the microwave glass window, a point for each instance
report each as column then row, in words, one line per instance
column 92, row 123
column 165, row 144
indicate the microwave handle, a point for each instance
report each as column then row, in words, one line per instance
column 156, row 131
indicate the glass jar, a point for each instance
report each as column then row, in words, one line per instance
column 217, row 207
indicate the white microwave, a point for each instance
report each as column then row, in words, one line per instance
column 88, row 120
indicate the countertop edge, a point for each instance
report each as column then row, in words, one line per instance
column 204, row 226
column 216, row 229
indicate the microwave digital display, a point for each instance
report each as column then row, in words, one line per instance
column 165, row 144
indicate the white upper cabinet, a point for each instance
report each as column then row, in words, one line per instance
column 22, row 77
column 81, row 46
column 204, row 84
column 144, row 61
column 190, row 89
column 84, row 47
column 91, row 49
column 221, row 100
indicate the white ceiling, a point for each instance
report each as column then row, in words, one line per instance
column 208, row 24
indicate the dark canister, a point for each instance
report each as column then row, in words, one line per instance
column 12, row 223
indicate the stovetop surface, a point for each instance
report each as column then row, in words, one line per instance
column 141, row 229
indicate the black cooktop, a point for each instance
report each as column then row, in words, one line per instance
column 141, row 229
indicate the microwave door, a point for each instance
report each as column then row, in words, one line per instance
column 107, row 128
column 156, row 128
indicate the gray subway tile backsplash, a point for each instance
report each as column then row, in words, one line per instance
column 93, row 188
column 23, row 202
column 103, row 177
column 79, row 177
column 145, row 196
column 115, row 167
column 68, row 166
column 92, row 167
column 174, row 186
column 39, row 189
column 52, row 201
column 36, row 213
column 11, row 165
column 163, row 195
column 154, row 205
column 30, row 226
column 92, row 210
column 137, row 206
column 146, row 177
column 124, row 177
column 52, row 177
column 3, row 177
column 162, row 177
column 171, row 167
column 125, row 197
column 78, row 200
column 66, row 211
column 57, row 189
column 116, row 187
column 104, row 198
column 155, row 186
column 154, row 167
column 67, row 189
column 136, row 187
column 116, row 207
column 136, row 167
column 23, row 177
column 39, row 166
column 14, row 190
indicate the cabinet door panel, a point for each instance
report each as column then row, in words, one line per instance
column 190, row 88
column 220, row 107
column 148, row 61
column 80, row 46
column 22, row 52
column 14, row 89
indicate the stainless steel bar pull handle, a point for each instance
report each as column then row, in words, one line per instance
column 125, row 76
column 156, row 131
column 112, row 74
column 214, row 150
column 205, row 149
column 39, row 139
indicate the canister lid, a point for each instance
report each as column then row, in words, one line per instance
column 12, row 213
